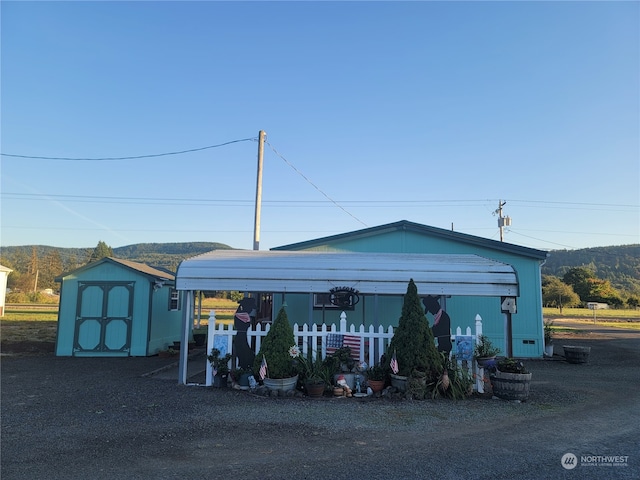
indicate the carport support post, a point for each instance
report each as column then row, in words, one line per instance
column 508, row 339
column 184, row 341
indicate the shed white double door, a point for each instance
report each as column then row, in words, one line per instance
column 103, row 318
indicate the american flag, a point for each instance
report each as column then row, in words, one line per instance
column 263, row 368
column 336, row 341
column 394, row 363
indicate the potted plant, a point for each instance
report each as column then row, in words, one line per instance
column 220, row 365
column 200, row 336
column 275, row 352
column 484, row 351
column 376, row 377
column 341, row 365
column 315, row 374
column 511, row 380
column 548, row 338
column 241, row 377
column 454, row 381
column 413, row 346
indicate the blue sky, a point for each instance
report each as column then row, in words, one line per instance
column 374, row 111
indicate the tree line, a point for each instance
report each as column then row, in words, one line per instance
column 36, row 267
column 579, row 286
column 570, row 278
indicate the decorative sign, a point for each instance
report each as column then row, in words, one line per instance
column 508, row 305
column 464, row 347
column 343, row 297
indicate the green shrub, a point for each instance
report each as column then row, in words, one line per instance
column 413, row 341
column 275, row 349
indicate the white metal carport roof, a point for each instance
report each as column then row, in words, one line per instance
column 318, row 272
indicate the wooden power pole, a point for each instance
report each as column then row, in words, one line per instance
column 256, row 223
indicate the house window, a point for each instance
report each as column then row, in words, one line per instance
column 323, row 300
column 174, row 300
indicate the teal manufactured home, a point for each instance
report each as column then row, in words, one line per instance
column 403, row 237
column 114, row 308
column 458, row 274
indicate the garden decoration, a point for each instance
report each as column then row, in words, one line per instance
column 242, row 320
column 441, row 328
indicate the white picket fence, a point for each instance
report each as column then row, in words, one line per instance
column 373, row 342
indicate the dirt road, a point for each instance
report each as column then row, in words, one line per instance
column 77, row 418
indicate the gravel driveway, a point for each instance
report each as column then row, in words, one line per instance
column 90, row 418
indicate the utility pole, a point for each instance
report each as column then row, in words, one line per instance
column 502, row 221
column 256, row 223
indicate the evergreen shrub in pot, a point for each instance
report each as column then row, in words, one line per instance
column 413, row 343
column 276, row 348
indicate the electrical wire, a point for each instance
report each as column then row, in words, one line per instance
column 136, row 157
column 315, row 186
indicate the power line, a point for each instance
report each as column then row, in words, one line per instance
column 362, row 203
column 315, row 186
column 136, row 157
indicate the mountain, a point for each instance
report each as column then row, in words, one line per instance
column 618, row 264
column 164, row 255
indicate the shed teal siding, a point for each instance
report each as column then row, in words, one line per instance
column 122, row 292
column 407, row 237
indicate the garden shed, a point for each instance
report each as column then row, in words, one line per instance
column 115, row 307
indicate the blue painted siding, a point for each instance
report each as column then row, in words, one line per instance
column 153, row 326
column 527, row 331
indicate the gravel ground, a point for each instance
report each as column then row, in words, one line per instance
column 91, row 418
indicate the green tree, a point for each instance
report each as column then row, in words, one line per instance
column 102, row 250
column 51, row 267
column 580, row 279
column 275, row 349
column 556, row 293
column 603, row 291
column 413, row 342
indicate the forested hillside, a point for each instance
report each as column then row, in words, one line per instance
column 39, row 265
column 619, row 264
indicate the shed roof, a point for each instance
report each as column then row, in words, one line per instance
column 138, row 267
column 318, row 272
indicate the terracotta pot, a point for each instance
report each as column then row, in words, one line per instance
column 376, row 385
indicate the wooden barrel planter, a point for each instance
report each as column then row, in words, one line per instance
column 575, row 354
column 314, row 389
column 399, row 382
column 511, row 386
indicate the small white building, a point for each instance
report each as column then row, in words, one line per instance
column 4, row 273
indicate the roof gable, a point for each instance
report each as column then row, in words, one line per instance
column 135, row 266
column 404, row 225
